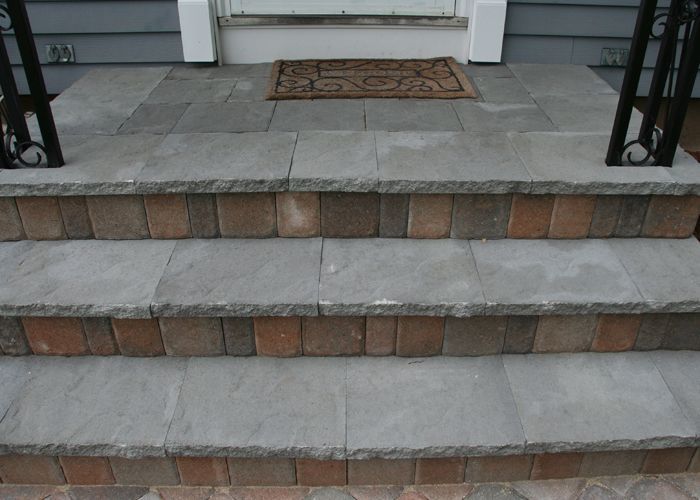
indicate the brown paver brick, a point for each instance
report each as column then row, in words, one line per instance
column 247, row 215
column 616, row 332
column 652, row 332
column 683, row 332
column 56, row 336
column 605, row 216
column 298, row 215
column 167, row 215
column 30, row 469
column 429, row 215
column 671, row 216
column 380, row 335
column 203, row 471
column 572, row 216
column 312, row 472
column 239, row 336
column 138, row 337
column 192, row 336
column 99, row 335
column 556, row 465
column 13, row 342
column 496, row 469
column 695, row 462
column 278, row 336
column 333, row 335
column 152, row 471
column 261, row 471
column 611, row 463
column 419, row 335
column 475, row 336
column 632, row 213
column 530, row 216
column 87, row 470
column 440, row 470
column 520, row 334
column 477, row 216
column 393, row 215
column 76, row 219
column 118, row 217
column 380, row 471
column 564, row 333
column 41, row 217
column 349, row 215
column 10, row 223
column 668, row 461
column 204, row 221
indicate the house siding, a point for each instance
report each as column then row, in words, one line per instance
column 575, row 32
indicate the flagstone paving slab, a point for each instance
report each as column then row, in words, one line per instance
column 666, row 272
column 319, row 114
column 100, row 406
column 595, row 402
column 82, row 278
column 681, row 371
column 14, row 373
column 395, row 115
column 445, row 162
column 585, row 113
column 502, row 90
column 257, row 407
column 435, row 407
column 502, row 117
column 554, row 277
column 559, row 79
column 237, row 277
column 191, row 91
column 210, row 163
column 153, row 119
column 334, row 161
column 226, row 117
column 390, row 276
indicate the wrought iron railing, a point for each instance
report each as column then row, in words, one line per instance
column 672, row 81
column 17, row 149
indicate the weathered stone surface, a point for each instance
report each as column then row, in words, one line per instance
column 389, row 276
column 249, row 89
column 632, row 213
column 559, row 79
column 652, row 332
column 477, row 336
column 393, row 215
column 239, row 336
column 553, row 277
column 225, row 117
column 76, row 219
column 99, row 407
column 232, row 278
column 574, row 163
column 502, row 117
column 334, row 161
column 449, row 162
column 41, row 217
column 301, row 414
column 298, row 214
column 95, row 165
column 395, row 115
column 10, row 224
column 101, row 101
column 605, row 216
column 13, row 342
column 486, row 70
column 498, row 89
column 83, row 278
column 666, row 272
column 204, row 163
column 429, row 215
column 564, row 333
column 595, row 402
column 520, row 334
column 584, row 113
column 480, row 216
column 681, row 371
column 204, row 221
column 349, row 215
column 191, row 91
column 14, row 373
column 319, row 114
column 118, row 217
column 399, row 408
column 153, row 119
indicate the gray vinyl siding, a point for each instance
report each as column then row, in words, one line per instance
column 575, row 32
column 103, row 32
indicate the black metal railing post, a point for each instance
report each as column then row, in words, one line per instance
column 659, row 145
column 14, row 132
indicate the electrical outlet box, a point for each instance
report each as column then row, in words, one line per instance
column 57, row 53
column 614, row 57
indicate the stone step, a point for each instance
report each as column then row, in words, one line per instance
column 358, row 420
column 314, row 296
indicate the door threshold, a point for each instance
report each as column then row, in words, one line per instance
column 433, row 22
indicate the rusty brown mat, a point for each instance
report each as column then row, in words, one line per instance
column 439, row 78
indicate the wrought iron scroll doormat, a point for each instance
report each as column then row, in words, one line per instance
column 659, row 147
column 17, row 149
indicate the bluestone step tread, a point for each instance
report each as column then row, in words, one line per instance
column 307, row 277
column 349, row 408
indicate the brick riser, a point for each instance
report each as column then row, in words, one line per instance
column 355, row 215
column 349, row 336
column 220, row 471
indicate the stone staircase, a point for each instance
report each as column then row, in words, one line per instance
column 231, row 302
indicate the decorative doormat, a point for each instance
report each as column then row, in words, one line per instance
column 440, row 78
